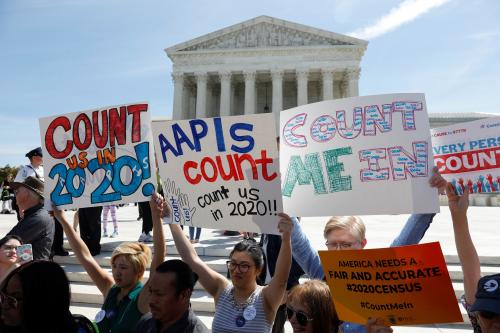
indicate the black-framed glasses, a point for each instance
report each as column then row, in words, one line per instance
column 302, row 318
column 8, row 300
column 243, row 268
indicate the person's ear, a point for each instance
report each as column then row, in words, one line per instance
column 363, row 243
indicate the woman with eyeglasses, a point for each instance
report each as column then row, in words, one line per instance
column 310, row 309
column 8, row 254
column 241, row 305
column 35, row 297
column 125, row 298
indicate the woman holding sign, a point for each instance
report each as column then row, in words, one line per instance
column 125, row 298
column 242, row 305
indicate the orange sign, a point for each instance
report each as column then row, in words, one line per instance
column 400, row 285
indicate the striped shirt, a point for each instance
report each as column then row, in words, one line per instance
column 228, row 319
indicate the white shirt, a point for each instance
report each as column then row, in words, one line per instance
column 29, row 170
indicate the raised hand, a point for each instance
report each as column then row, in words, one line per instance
column 437, row 180
column 457, row 204
column 285, row 225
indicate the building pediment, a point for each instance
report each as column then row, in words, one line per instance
column 265, row 32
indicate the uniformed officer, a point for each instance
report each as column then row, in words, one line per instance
column 34, row 169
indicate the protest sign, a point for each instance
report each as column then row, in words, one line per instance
column 221, row 173
column 361, row 155
column 98, row 157
column 468, row 155
column 404, row 285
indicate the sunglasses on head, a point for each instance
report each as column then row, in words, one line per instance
column 300, row 316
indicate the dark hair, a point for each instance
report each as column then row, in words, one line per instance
column 46, row 297
column 185, row 278
column 253, row 249
column 8, row 238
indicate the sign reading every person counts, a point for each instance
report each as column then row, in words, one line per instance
column 221, row 173
column 98, row 157
column 468, row 155
column 360, row 155
column 404, row 285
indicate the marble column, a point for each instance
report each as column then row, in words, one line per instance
column 302, row 78
column 225, row 93
column 201, row 94
column 249, row 92
column 277, row 78
column 351, row 82
column 177, row 110
column 327, row 75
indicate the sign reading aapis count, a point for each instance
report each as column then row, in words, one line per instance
column 221, row 173
column 98, row 157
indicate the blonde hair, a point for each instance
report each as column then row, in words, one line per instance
column 138, row 254
column 352, row 224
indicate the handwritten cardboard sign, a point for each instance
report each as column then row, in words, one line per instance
column 401, row 285
column 221, row 173
column 361, row 155
column 468, row 155
column 98, row 157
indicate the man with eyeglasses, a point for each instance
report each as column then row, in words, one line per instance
column 348, row 233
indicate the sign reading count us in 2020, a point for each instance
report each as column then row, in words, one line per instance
column 98, row 157
column 468, row 155
column 221, row 173
column 355, row 156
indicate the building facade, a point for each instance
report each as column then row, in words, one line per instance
column 262, row 65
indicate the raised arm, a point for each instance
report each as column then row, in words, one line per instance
column 213, row 282
column 158, row 209
column 417, row 224
column 274, row 291
column 101, row 278
column 467, row 254
column 304, row 253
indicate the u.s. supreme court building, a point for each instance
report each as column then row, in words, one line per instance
column 268, row 65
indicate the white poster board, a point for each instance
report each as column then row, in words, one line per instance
column 468, row 155
column 221, row 173
column 355, row 156
column 98, row 157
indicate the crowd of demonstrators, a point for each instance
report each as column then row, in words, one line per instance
column 35, row 297
column 170, row 291
column 8, row 254
column 241, row 304
column 36, row 227
column 106, row 211
column 482, row 294
column 125, row 298
column 6, row 195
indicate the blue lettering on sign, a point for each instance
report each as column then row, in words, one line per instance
column 138, row 168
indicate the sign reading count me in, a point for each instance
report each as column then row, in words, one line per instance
column 98, row 157
column 362, row 155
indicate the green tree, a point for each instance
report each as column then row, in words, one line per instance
column 8, row 170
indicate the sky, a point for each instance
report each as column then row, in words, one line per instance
column 61, row 56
